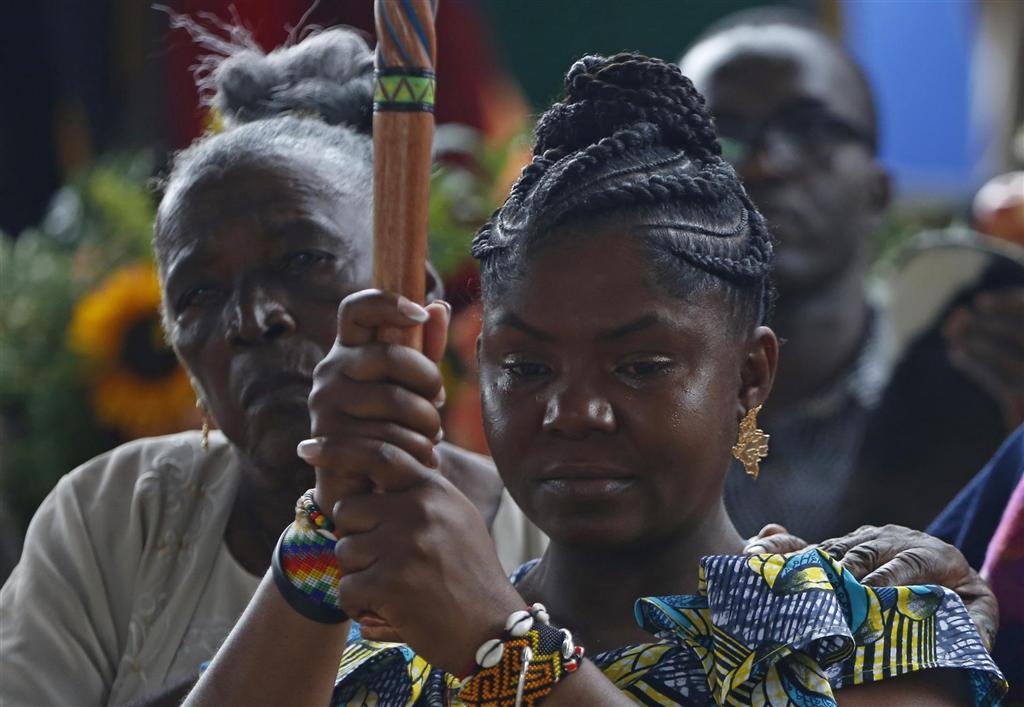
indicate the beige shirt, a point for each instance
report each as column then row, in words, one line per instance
column 126, row 585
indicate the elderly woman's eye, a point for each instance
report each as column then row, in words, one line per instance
column 303, row 260
column 197, row 297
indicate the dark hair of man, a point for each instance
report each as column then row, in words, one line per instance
column 781, row 16
column 632, row 141
column 310, row 101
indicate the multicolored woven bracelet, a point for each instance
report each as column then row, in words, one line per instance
column 304, row 567
column 524, row 665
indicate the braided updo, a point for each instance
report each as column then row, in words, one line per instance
column 311, row 101
column 632, row 139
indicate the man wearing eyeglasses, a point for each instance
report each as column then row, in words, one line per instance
column 796, row 117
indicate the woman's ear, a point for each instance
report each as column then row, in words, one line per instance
column 757, row 373
column 435, row 288
column 879, row 196
column 881, row 190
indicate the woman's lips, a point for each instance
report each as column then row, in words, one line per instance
column 274, row 387
column 586, row 487
column 586, row 480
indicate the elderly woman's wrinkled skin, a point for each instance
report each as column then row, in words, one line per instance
column 893, row 555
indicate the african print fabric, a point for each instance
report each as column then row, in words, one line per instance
column 772, row 630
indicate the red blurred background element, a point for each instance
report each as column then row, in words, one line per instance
column 472, row 92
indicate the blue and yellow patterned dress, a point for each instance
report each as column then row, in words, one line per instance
column 773, row 630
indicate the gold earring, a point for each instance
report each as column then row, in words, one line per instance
column 752, row 445
column 204, row 441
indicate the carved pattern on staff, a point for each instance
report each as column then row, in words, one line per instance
column 405, row 34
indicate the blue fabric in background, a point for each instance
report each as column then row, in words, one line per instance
column 918, row 58
column 970, row 520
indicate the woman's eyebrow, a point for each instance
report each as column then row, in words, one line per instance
column 645, row 322
column 511, row 320
column 286, row 227
column 280, row 225
column 182, row 258
column 619, row 332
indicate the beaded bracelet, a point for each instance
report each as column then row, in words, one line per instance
column 304, row 567
column 524, row 665
column 306, row 507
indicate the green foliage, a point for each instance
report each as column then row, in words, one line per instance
column 899, row 227
column 463, row 196
column 101, row 220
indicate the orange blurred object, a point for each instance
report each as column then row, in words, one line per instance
column 999, row 207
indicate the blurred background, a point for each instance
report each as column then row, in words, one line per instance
column 100, row 93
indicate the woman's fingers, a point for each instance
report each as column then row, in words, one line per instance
column 358, row 592
column 361, row 514
column 982, row 606
column 435, row 331
column 417, row 445
column 774, row 538
column 893, row 554
column 906, row 567
column 838, row 547
column 435, row 340
column 342, row 462
column 771, row 529
column 385, row 402
column 357, row 552
column 373, row 629
column 361, row 314
column 379, row 362
column 910, row 567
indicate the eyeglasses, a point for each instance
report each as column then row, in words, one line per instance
column 793, row 139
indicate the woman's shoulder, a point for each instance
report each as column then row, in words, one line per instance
column 114, row 553
column 155, row 468
column 141, row 493
column 800, row 622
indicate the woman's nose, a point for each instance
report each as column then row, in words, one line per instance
column 775, row 156
column 259, row 317
column 576, row 412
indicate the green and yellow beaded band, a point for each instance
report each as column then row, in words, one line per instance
column 403, row 90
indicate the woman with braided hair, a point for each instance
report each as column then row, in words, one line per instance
column 626, row 285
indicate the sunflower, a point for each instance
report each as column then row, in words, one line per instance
column 139, row 388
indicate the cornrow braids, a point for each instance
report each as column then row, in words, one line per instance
column 633, row 139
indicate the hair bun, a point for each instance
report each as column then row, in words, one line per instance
column 329, row 74
column 605, row 95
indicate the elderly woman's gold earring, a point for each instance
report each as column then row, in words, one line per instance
column 752, row 445
column 205, row 439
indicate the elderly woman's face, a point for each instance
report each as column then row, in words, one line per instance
column 257, row 260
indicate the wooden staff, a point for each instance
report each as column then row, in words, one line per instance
column 403, row 130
